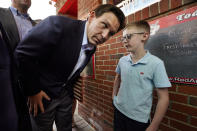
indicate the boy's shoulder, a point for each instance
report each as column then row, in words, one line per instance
column 123, row 58
column 154, row 58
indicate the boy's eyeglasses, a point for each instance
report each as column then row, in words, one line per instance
column 127, row 37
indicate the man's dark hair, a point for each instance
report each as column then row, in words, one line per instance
column 100, row 10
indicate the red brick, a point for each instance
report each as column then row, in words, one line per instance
column 119, row 39
column 97, row 67
column 184, row 109
column 100, row 91
column 110, row 77
column 110, row 62
column 178, row 98
column 175, row 3
column 163, row 127
column 145, row 13
column 109, row 119
column 99, row 62
column 112, row 68
column 99, row 81
column 93, row 101
column 194, row 121
column 104, row 67
column 173, row 88
column 100, row 72
column 108, row 83
column 113, row 73
column 104, row 47
column 110, row 2
column 107, row 98
column 90, row 93
column 92, row 84
column 122, row 50
column 108, row 93
column 165, row 120
column 86, row 92
column 105, row 107
column 193, row 101
column 182, row 126
column 190, row 90
column 164, row 6
column 154, row 10
column 131, row 18
column 116, row 56
column 118, row 34
column 99, row 53
column 176, row 115
column 103, row 58
column 111, row 40
column 113, row 51
column 106, row 88
column 138, row 16
column 87, row 104
column 108, row 113
column 100, row 77
column 188, row 1
column 109, row 103
column 116, row 45
column 100, row 108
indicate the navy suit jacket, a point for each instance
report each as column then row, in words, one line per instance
column 48, row 54
column 9, row 25
column 8, row 107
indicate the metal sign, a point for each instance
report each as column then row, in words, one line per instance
column 132, row 6
column 174, row 40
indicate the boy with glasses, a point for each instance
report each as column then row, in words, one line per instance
column 138, row 74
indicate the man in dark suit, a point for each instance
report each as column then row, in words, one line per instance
column 8, row 107
column 16, row 23
column 52, row 56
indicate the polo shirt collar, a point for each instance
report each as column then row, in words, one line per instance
column 143, row 60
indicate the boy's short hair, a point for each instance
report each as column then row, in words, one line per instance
column 139, row 24
column 105, row 8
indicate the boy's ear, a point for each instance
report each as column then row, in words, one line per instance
column 146, row 36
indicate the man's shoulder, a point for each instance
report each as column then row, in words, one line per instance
column 62, row 22
column 61, row 18
column 4, row 9
column 5, row 12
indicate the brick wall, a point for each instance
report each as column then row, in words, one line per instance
column 85, row 6
column 97, row 102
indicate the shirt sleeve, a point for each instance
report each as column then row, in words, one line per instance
column 118, row 68
column 160, row 77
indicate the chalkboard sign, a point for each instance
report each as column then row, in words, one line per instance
column 174, row 40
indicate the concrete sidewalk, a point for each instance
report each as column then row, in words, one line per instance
column 81, row 124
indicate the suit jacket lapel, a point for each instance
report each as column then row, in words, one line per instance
column 10, row 27
column 77, row 73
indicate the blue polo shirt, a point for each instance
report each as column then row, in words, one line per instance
column 134, row 98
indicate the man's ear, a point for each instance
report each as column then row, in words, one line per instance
column 91, row 15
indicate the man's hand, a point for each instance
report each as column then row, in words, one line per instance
column 35, row 101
